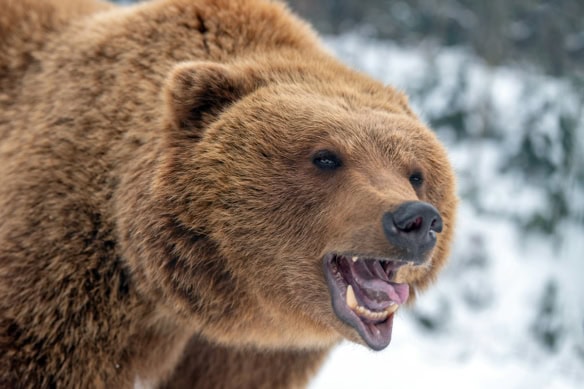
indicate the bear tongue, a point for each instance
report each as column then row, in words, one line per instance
column 373, row 288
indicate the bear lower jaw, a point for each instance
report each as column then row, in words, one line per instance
column 363, row 295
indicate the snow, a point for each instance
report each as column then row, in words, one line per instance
column 488, row 309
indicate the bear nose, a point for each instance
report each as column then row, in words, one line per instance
column 412, row 227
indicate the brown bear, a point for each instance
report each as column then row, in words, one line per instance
column 194, row 193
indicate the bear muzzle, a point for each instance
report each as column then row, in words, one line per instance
column 363, row 290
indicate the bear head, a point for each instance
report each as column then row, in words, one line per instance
column 292, row 202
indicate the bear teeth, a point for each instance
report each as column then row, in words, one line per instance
column 392, row 308
column 355, row 258
column 364, row 312
column 367, row 314
column 351, row 299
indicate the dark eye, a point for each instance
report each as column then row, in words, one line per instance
column 416, row 179
column 326, row 160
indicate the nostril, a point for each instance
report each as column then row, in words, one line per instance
column 412, row 225
column 417, row 217
column 436, row 224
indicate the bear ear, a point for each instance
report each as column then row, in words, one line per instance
column 197, row 93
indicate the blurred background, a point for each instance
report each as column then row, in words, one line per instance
column 502, row 83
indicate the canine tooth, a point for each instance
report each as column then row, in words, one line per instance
column 355, row 258
column 392, row 308
column 351, row 299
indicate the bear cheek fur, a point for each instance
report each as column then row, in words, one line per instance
column 200, row 227
column 269, row 223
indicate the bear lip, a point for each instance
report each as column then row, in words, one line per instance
column 373, row 298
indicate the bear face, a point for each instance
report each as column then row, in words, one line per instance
column 309, row 210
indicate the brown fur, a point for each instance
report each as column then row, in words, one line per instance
column 156, row 186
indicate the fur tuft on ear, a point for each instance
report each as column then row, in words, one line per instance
column 197, row 93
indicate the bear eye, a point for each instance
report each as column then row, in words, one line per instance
column 416, row 179
column 326, row 160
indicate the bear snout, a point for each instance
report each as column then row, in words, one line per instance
column 412, row 228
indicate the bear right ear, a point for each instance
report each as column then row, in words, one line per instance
column 197, row 93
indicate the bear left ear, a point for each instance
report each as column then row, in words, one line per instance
column 197, row 93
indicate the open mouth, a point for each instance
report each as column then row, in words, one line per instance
column 363, row 295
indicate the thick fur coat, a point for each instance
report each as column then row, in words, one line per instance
column 162, row 220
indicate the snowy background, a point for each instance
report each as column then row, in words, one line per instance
column 508, row 311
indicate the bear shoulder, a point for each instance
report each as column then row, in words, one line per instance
column 25, row 27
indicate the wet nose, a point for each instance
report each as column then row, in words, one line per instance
column 412, row 228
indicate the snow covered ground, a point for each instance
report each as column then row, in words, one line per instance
column 508, row 312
